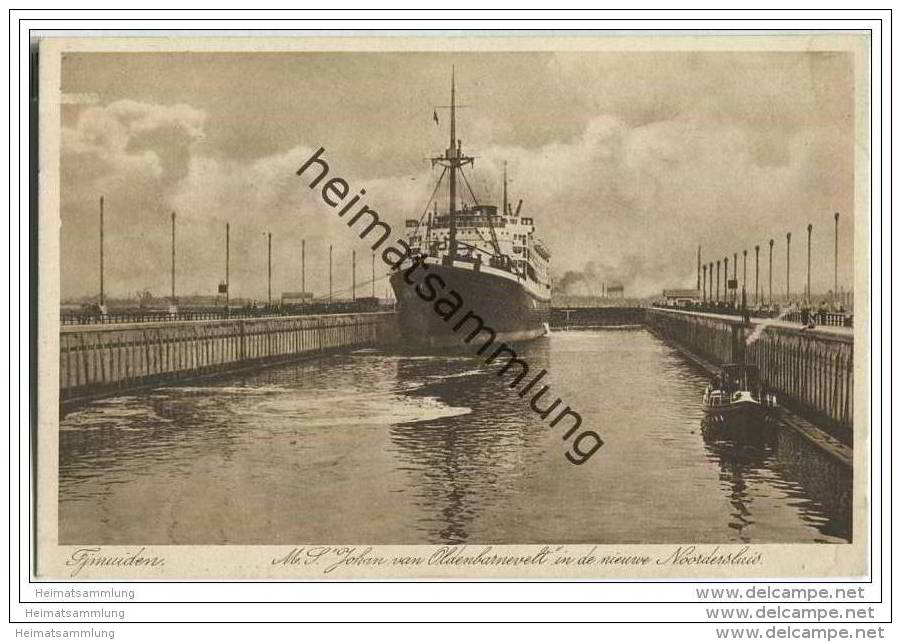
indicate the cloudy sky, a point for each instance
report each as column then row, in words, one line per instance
column 627, row 161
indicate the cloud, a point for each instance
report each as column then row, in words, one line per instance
column 134, row 136
column 632, row 197
column 657, row 190
column 131, row 153
column 79, row 99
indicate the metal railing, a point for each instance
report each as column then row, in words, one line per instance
column 816, row 317
column 821, row 318
column 93, row 317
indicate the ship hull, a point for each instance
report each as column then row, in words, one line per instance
column 512, row 312
column 743, row 421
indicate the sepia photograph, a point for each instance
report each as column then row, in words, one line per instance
column 492, row 306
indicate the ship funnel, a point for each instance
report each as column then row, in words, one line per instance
column 518, row 207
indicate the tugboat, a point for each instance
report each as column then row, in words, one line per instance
column 736, row 405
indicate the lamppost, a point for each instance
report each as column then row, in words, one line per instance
column 735, row 276
column 710, row 289
column 718, row 281
column 704, row 292
column 809, row 233
column 270, row 268
column 101, row 255
column 227, row 252
column 744, row 268
column 756, row 275
column 835, row 282
column 788, row 263
column 173, row 258
column 771, row 270
column 725, row 279
column 699, row 268
column 330, row 274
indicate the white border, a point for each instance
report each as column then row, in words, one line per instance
column 413, row 591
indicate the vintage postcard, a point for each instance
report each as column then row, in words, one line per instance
column 502, row 306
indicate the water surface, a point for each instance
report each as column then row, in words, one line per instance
column 378, row 447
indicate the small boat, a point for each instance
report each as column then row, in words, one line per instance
column 736, row 405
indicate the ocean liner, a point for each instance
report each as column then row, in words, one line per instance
column 491, row 258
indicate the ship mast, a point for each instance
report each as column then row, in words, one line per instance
column 453, row 159
column 505, row 189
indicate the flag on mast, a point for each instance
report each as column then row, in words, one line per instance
column 435, row 117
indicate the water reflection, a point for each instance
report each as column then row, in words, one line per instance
column 749, row 463
column 459, row 469
column 106, row 440
column 738, row 461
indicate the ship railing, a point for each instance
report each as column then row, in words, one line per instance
column 725, row 396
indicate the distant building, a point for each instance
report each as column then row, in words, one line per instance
column 193, row 300
column 615, row 291
column 296, row 298
column 681, row 297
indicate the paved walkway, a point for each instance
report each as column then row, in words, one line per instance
column 829, row 329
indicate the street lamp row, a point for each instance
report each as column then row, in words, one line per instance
column 227, row 288
column 708, row 293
